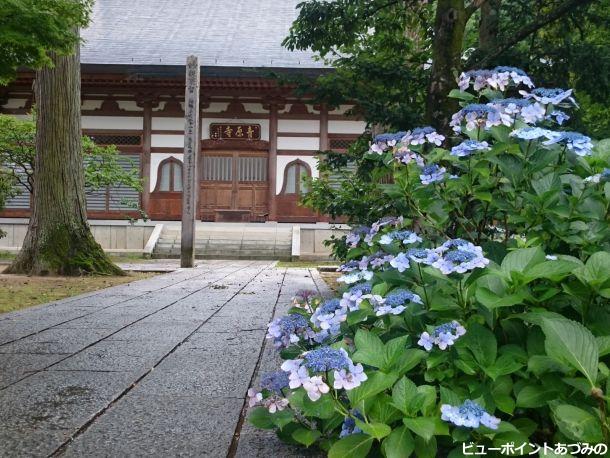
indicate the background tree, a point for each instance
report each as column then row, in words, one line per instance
column 102, row 166
column 59, row 240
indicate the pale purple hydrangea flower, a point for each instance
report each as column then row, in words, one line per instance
column 558, row 116
column 406, row 156
column 401, row 261
column 288, row 330
column 375, row 261
column 498, row 78
column 404, row 236
column 469, row 414
column 383, row 142
column 511, row 108
column 443, row 336
column 356, row 236
column 396, row 302
column 351, row 299
column 432, row 174
column 531, row 133
column 466, row 148
column 273, row 383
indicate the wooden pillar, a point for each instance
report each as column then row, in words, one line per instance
column 272, row 166
column 191, row 151
column 145, row 158
column 324, row 144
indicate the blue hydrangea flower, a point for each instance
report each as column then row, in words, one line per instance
column 468, row 147
column 421, row 135
column 325, row 359
column 288, row 330
column 349, row 424
column 498, row 78
column 578, row 143
column 383, row 142
column 459, row 256
column 432, row 173
column 443, row 336
column 274, row 381
column 396, row 302
column 554, row 96
column 406, row 156
column 469, row 414
column 598, row 177
column 386, row 221
column 401, row 261
column 558, row 116
column 405, row 236
column 511, row 108
column 329, row 315
column 531, row 133
column 356, row 235
column 477, row 115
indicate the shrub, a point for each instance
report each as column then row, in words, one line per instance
column 478, row 318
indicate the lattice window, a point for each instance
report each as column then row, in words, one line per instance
column 252, row 168
column 217, row 168
column 115, row 198
column 117, row 139
column 340, row 143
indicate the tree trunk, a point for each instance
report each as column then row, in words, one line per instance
column 59, row 240
column 489, row 26
column 449, row 26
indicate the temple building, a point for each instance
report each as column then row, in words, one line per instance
column 257, row 137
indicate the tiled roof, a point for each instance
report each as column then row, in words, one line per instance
column 227, row 33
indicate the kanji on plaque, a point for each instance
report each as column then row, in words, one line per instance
column 235, row 131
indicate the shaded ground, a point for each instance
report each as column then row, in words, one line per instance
column 20, row 291
column 158, row 367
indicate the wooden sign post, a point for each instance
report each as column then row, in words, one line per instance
column 191, row 151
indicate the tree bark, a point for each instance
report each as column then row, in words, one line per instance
column 449, row 25
column 489, row 25
column 59, row 240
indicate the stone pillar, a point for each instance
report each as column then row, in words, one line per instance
column 145, row 159
column 191, row 151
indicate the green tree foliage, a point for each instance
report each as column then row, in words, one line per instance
column 18, row 150
column 29, row 29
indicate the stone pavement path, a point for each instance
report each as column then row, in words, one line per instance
column 158, row 367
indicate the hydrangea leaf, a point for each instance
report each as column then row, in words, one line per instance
column 399, row 444
column 377, row 382
column 403, row 396
column 515, row 437
column 522, row 259
column 376, row 430
column 261, row 418
column 409, row 359
column 603, row 345
column 393, row 351
column 306, row 436
column 369, row 349
column 571, row 343
column 504, row 365
column 461, row 95
column 492, row 301
column 352, row 446
column 424, row 448
column 577, row 424
column 482, row 343
column 383, row 410
column 322, row 408
column 282, row 418
column 553, row 270
column 422, row 426
column 533, row 396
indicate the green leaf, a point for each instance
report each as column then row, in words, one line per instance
column 376, row 383
column 376, row 430
column 553, row 270
column 393, row 351
column 424, row 448
column 322, row 408
column 504, row 365
column 369, row 349
column 403, row 395
column 492, row 301
column 352, row 446
column 514, row 437
column 522, row 259
column 426, row 399
column 461, row 95
column 482, row 343
column 261, row 418
column 357, row 316
column 306, row 436
column 282, row 417
column 577, row 424
column 571, row 343
column 409, row 359
column 399, row 444
column 603, row 345
column 533, row 396
column 422, row 426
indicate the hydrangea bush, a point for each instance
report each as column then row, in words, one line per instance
column 481, row 315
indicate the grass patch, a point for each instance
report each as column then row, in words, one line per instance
column 20, row 291
column 7, row 256
column 305, row 264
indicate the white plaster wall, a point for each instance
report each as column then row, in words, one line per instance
column 255, row 108
column 155, row 160
column 167, row 123
column 298, row 125
column 166, row 141
column 282, row 161
column 341, row 109
column 205, row 127
column 216, row 107
column 346, row 127
column 298, row 143
column 15, row 103
column 129, row 105
column 91, row 104
column 112, row 122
